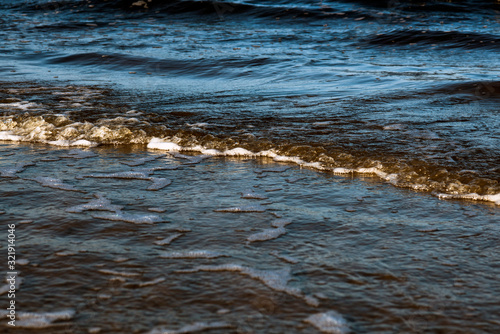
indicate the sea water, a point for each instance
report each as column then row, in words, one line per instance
column 251, row 166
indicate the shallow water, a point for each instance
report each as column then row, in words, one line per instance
column 385, row 260
column 251, row 166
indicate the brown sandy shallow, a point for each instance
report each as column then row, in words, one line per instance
column 120, row 240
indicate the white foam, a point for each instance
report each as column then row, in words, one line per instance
column 159, row 144
column 196, row 254
column 159, row 183
column 392, row 178
column 247, row 208
column 54, row 183
column 281, row 222
column 153, row 282
column 72, row 143
column 330, row 322
column 135, row 218
column 473, row 196
column 156, row 209
column 118, row 273
column 322, row 124
column 340, row 170
column 197, row 125
column 238, row 151
column 65, row 253
column 99, row 204
column 141, row 175
column 314, row 165
column 212, row 152
column 168, row 240
column 252, row 195
column 267, row 234
column 22, row 262
column 192, row 328
column 284, row 158
column 40, row 320
column 395, row 127
column 8, row 136
column 22, row 105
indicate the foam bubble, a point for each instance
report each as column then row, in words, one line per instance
column 72, row 143
column 285, row 258
column 22, row 105
column 168, row 240
column 330, row 322
column 159, row 144
column 473, row 196
column 212, row 152
column 135, row 218
column 141, row 175
column 196, row 254
column 252, row 195
column 340, row 170
column 238, row 151
column 159, row 183
column 197, row 125
column 99, row 204
column 192, row 328
column 267, row 234
column 54, row 183
column 247, row 208
column 153, row 282
column 22, row 262
column 40, row 320
column 64, row 253
column 8, row 136
column 283, row 158
column 395, row 127
column 156, row 209
column 281, row 222
column 118, row 273
column 322, row 124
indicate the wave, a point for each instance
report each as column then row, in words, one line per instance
column 86, row 116
column 426, row 38
column 229, row 67
column 61, row 131
column 260, row 9
column 454, row 6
